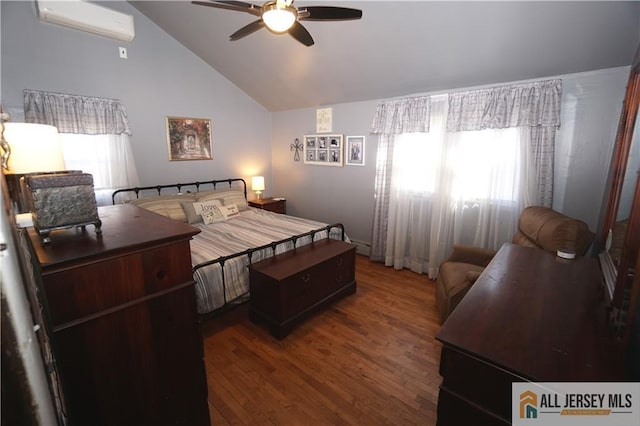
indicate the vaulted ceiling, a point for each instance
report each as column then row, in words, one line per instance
column 404, row 47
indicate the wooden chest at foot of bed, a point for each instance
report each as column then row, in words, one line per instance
column 288, row 287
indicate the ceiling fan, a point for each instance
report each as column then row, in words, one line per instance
column 280, row 16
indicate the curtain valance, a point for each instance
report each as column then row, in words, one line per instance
column 402, row 116
column 534, row 104
column 76, row 114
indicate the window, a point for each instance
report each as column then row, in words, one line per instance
column 107, row 157
column 417, row 155
column 483, row 165
column 486, row 165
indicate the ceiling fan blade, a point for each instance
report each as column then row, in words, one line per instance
column 238, row 6
column 301, row 34
column 247, row 29
column 328, row 13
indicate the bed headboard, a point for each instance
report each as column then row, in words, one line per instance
column 155, row 190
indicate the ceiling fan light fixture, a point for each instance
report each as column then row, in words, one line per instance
column 278, row 19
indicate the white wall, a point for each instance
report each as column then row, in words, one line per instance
column 161, row 78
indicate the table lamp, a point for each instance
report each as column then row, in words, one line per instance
column 57, row 198
column 257, row 185
column 32, row 148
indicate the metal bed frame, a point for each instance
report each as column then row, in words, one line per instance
column 223, row 259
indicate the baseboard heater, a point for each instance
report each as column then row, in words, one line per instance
column 89, row 17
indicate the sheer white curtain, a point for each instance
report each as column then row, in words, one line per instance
column 446, row 188
column 392, row 118
column 107, row 157
column 466, row 177
column 486, row 179
column 414, row 170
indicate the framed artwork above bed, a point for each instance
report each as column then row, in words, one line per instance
column 189, row 138
column 324, row 150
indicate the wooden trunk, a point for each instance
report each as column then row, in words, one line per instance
column 287, row 287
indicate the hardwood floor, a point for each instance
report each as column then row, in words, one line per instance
column 371, row 358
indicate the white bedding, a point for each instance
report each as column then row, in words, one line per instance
column 252, row 228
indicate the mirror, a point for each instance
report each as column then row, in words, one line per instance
column 627, row 192
column 617, row 251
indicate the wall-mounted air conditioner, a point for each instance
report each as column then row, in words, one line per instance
column 85, row 16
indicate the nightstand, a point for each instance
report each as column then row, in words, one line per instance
column 276, row 205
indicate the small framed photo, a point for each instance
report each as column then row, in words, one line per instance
column 324, row 150
column 189, row 138
column 355, row 151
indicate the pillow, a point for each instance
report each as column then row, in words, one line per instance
column 226, row 196
column 213, row 215
column 166, row 205
column 193, row 211
column 229, row 211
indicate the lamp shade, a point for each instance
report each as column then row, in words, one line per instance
column 34, row 148
column 257, row 183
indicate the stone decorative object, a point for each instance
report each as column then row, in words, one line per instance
column 61, row 200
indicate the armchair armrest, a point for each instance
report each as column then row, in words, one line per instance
column 468, row 254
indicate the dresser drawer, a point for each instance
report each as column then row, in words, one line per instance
column 279, row 206
column 296, row 294
column 100, row 285
column 158, row 341
column 338, row 271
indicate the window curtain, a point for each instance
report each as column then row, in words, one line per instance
column 76, row 114
column 94, row 134
column 534, row 107
column 492, row 155
column 392, row 118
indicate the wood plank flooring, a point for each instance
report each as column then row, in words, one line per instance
column 369, row 359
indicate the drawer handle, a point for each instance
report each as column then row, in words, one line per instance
column 339, row 261
column 339, row 279
column 306, row 277
column 160, row 274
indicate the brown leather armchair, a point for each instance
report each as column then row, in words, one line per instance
column 539, row 227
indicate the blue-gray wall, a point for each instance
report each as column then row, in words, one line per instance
column 590, row 111
column 161, row 78
column 329, row 194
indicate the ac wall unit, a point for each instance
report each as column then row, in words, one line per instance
column 90, row 17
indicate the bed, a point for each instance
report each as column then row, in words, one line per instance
column 224, row 248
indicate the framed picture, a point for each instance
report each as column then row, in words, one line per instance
column 355, row 151
column 189, row 138
column 324, row 150
column 323, row 120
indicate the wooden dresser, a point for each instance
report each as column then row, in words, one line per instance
column 123, row 314
column 288, row 287
column 529, row 317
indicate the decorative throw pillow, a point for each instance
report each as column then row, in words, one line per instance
column 193, row 211
column 166, row 205
column 226, row 196
column 212, row 215
column 229, row 211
